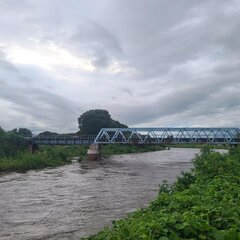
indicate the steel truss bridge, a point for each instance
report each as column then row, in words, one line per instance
column 168, row 135
column 147, row 136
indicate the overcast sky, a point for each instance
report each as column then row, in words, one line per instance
column 148, row 62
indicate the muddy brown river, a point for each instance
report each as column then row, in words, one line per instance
column 77, row 200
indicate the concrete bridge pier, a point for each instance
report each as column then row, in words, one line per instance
column 94, row 152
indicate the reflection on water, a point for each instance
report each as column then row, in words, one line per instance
column 79, row 199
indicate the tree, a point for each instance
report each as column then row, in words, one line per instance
column 2, row 132
column 11, row 143
column 92, row 121
column 13, row 132
column 24, row 132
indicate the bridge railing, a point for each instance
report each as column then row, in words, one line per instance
column 168, row 135
column 63, row 139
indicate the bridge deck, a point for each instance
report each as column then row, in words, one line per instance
column 64, row 140
column 148, row 136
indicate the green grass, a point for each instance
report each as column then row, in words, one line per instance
column 202, row 204
column 47, row 156
column 26, row 161
column 69, row 151
column 197, row 145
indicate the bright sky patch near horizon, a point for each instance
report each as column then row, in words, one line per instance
column 149, row 63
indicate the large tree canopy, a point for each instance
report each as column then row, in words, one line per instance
column 92, row 121
column 24, row 132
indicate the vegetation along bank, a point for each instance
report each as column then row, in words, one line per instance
column 202, row 204
column 15, row 155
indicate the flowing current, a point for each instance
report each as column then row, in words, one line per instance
column 80, row 199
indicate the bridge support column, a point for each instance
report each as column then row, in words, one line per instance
column 94, row 152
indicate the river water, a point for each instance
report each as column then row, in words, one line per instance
column 77, row 200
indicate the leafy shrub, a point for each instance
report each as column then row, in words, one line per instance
column 184, row 181
column 10, row 145
column 202, row 204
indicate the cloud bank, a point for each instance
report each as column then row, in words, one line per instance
column 149, row 63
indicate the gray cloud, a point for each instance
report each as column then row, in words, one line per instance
column 97, row 42
column 160, row 35
column 222, row 93
column 40, row 106
column 155, row 62
column 5, row 64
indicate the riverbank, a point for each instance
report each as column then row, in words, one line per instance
column 202, row 204
column 45, row 157
column 115, row 149
column 196, row 145
column 53, row 156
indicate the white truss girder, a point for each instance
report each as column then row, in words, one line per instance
column 168, row 135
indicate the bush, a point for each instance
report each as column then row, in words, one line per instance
column 10, row 145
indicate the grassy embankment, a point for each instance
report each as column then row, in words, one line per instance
column 44, row 157
column 197, row 145
column 111, row 149
column 14, row 155
column 202, row 204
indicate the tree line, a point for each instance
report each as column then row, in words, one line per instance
column 90, row 123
